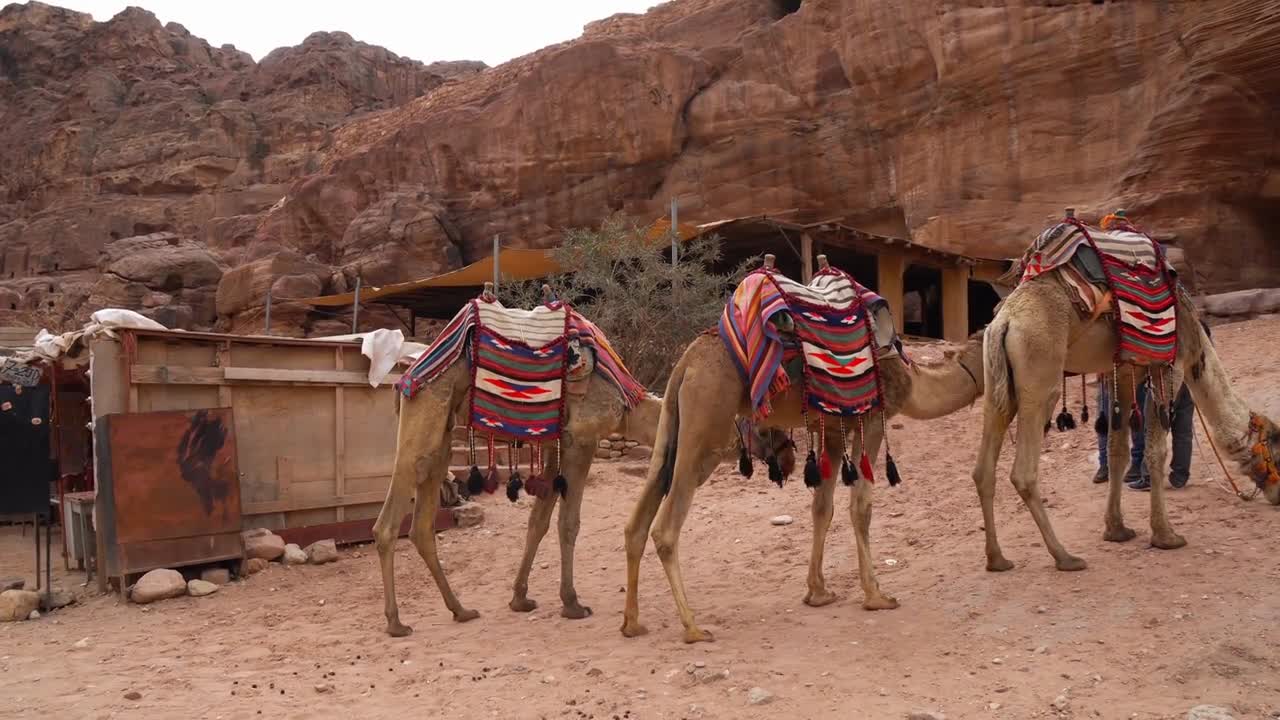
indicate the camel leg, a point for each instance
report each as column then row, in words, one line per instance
column 539, row 522
column 1117, row 463
column 823, row 508
column 1156, row 459
column 637, row 535
column 424, row 538
column 385, row 531
column 1032, row 414
column 860, row 512
column 693, row 466
column 994, row 426
column 576, row 466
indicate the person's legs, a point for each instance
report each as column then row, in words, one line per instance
column 1136, row 476
column 1103, row 412
column 1183, row 414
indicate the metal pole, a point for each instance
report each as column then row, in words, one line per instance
column 355, row 308
column 675, row 232
column 268, row 328
column 497, row 247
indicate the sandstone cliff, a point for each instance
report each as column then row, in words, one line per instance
column 965, row 125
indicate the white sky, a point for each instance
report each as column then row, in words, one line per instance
column 493, row 31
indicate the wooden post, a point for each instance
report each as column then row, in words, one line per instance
column 806, row 257
column 675, row 232
column 339, row 437
column 890, row 268
column 955, row 303
column 497, row 269
column 1071, row 212
column 268, row 319
column 770, row 260
column 355, row 308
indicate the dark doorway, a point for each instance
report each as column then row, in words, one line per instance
column 24, row 443
column 922, row 313
column 982, row 304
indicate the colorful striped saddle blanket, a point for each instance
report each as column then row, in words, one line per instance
column 520, row 360
column 830, row 325
column 1120, row 271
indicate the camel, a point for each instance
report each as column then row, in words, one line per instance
column 423, row 448
column 1036, row 335
column 696, row 418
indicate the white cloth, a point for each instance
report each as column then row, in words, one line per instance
column 385, row 349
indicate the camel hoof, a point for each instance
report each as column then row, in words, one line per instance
column 396, row 629
column 694, row 635
column 883, row 602
column 1071, row 563
column 575, row 612
column 633, row 629
column 1119, row 535
column 818, row 599
column 1169, row 541
column 523, row 605
column 465, row 616
column 999, row 564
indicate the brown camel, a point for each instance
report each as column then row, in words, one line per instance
column 1038, row 334
column 423, row 448
column 696, row 417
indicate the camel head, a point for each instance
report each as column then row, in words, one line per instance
column 1263, row 449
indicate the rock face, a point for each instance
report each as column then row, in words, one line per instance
column 961, row 126
column 158, row 585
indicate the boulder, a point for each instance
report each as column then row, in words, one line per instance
column 261, row 543
column 468, row 514
column 322, row 551
column 294, row 555
column 217, row 576
column 640, row 452
column 1209, row 712
column 603, row 453
column 12, row 583
column 18, row 605
column 200, row 588
column 158, row 585
column 253, row 566
column 1242, row 303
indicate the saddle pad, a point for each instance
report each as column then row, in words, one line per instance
column 441, row 354
column 1058, row 245
column 832, row 324
column 1146, row 313
column 517, row 390
column 534, row 328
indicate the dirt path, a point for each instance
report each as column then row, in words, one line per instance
column 1141, row 634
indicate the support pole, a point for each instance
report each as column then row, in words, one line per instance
column 497, row 264
column 806, row 257
column 675, row 232
column 355, row 308
column 267, row 329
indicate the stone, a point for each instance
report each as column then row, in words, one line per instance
column 605, row 445
column 616, row 437
column 57, row 598
column 83, row 643
column 200, row 588
column 1061, row 703
column 322, row 551
column 468, row 514
column 294, row 555
column 781, row 520
column 253, row 566
column 12, row 583
column 35, row 615
column 618, row 445
column 925, row 715
column 1258, row 301
column 158, row 585
column 262, row 544
column 603, row 453
column 133, row 695
column 640, row 452
column 1209, row 712
column 324, row 688
column 759, row 696
column 217, row 576
column 615, row 454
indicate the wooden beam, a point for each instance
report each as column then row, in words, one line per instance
column 339, row 437
column 806, row 258
column 955, row 304
column 224, row 360
column 890, row 268
column 338, row 501
column 184, row 375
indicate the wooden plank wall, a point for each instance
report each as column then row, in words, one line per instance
column 316, row 443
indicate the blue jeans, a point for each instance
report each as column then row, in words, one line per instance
column 1137, row 440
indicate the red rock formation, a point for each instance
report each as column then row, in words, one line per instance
column 964, row 125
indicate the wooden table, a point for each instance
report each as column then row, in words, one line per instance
column 77, row 513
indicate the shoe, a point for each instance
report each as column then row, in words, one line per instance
column 1178, row 482
column 1133, row 474
column 1142, row 484
column 1101, row 476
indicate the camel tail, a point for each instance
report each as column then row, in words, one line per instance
column 669, row 430
column 998, row 375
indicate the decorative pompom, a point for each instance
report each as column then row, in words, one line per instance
column 891, row 469
column 775, row 470
column 1084, row 414
column 864, row 468
column 847, row 475
column 1115, row 415
column 812, row 478
column 1101, row 426
column 537, row 486
column 475, row 481
column 1065, row 422
column 560, row 485
column 1135, row 419
column 491, row 480
column 745, row 468
column 514, row 485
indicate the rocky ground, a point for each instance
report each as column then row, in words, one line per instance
column 1142, row 633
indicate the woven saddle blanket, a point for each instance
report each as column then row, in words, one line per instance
column 830, row 325
column 520, row 361
column 1121, row 272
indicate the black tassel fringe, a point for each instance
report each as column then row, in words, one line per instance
column 1084, row 414
column 812, row 478
column 475, row 481
column 775, row 470
column 1100, row 425
column 514, row 485
column 847, row 475
column 560, row 485
column 1115, row 415
column 891, row 469
column 1065, row 421
column 745, row 466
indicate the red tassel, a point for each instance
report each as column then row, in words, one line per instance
column 864, row 466
column 824, row 466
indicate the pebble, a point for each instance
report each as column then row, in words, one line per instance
column 782, row 520
column 324, row 688
column 200, row 588
column 759, row 696
column 549, row 679
column 1209, row 712
column 35, row 615
column 133, row 695
column 1042, row 650
column 926, row 715
column 82, row 644
column 1061, row 703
